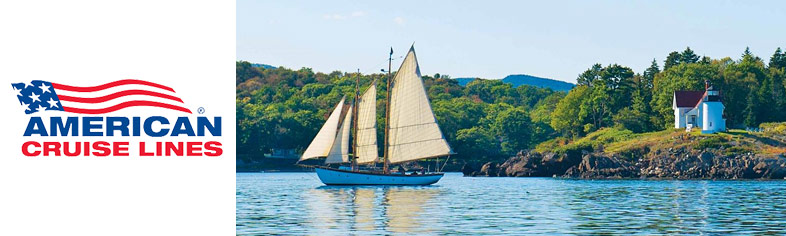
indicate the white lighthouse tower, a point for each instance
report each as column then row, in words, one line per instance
column 712, row 109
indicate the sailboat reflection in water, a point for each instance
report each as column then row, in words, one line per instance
column 411, row 133
column 371, row 209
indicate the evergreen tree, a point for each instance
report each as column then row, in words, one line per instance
column 778, row 93
column 688, row 56
column 748, row 56
column 751, row 110
column 672, row 60
column 589, row 76
column 649, row 75
column 778, row 59
column 619, row 84
column 705, row 60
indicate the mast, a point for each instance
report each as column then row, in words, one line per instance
column 386, row 167
column 355, row 122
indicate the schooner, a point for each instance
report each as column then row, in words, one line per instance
column 411, row 133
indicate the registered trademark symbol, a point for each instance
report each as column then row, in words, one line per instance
column 201, row 110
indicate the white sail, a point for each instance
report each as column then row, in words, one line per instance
column 320, row 146
column 413, row 130
column 367, row 126
column 339, row 152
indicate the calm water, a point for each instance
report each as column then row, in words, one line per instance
column 297, row 203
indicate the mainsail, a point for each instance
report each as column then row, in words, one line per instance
column 367, row 126
column 413, row 130
column 322, row 143
column 339, row 152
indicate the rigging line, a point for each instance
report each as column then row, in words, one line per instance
column 425, row 140
column 375, row 67
column 407, row 126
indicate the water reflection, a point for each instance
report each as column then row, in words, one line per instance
column 364, row 209
column 297, row 204
column 403, row 209
column 390, row 208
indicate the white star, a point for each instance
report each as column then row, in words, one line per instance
column 40, row 108
column 52, row 103
column 44, row 88
column 26, row 106
column 34, row 97
column 17, row 91
column 30, row 83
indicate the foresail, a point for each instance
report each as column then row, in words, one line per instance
column 339, row 152
column 413, row 131
column 367, row 126
column 320, row 146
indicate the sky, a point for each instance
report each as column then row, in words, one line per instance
column 492, row 39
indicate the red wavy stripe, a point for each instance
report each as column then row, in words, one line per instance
column 109, row 85
column 117, row 95
column 125, row 105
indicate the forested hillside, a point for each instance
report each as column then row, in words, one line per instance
column 284, row 108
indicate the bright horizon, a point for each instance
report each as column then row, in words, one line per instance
column 556, row 40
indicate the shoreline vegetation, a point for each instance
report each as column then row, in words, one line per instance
column 671, row 154
column 615, row 123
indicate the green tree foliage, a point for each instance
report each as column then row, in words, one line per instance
column 589, row 76
column 284, row 108
column 515, row 128
column 688, row 56
column 476, row 142
column 778, row 59
column 671, row 60
column 649, row 75
column 596, row 108
column 541, row 117
column 566, row 117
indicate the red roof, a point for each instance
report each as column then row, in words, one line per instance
column 688, row 98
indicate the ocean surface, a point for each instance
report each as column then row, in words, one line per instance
column 298, row 204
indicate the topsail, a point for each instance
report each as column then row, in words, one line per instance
column 413, row 130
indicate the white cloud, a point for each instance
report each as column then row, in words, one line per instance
column 358, row 13
column 399, row 20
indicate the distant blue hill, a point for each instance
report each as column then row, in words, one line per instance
column 518, row 80
column 464, row 81
column 557, row 85
column 265, row 66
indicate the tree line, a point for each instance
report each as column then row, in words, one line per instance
column 284, row 108
column 752, row 91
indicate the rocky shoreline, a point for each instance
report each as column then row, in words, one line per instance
column 660, row 164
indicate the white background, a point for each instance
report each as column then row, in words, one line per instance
column 186, row 45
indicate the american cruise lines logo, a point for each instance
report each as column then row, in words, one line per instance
column 90, row 110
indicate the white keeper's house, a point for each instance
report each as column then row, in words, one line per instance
column 699, row 110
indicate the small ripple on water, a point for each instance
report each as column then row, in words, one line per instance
column 295, row 203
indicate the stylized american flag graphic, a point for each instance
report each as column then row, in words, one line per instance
column 39, row 95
